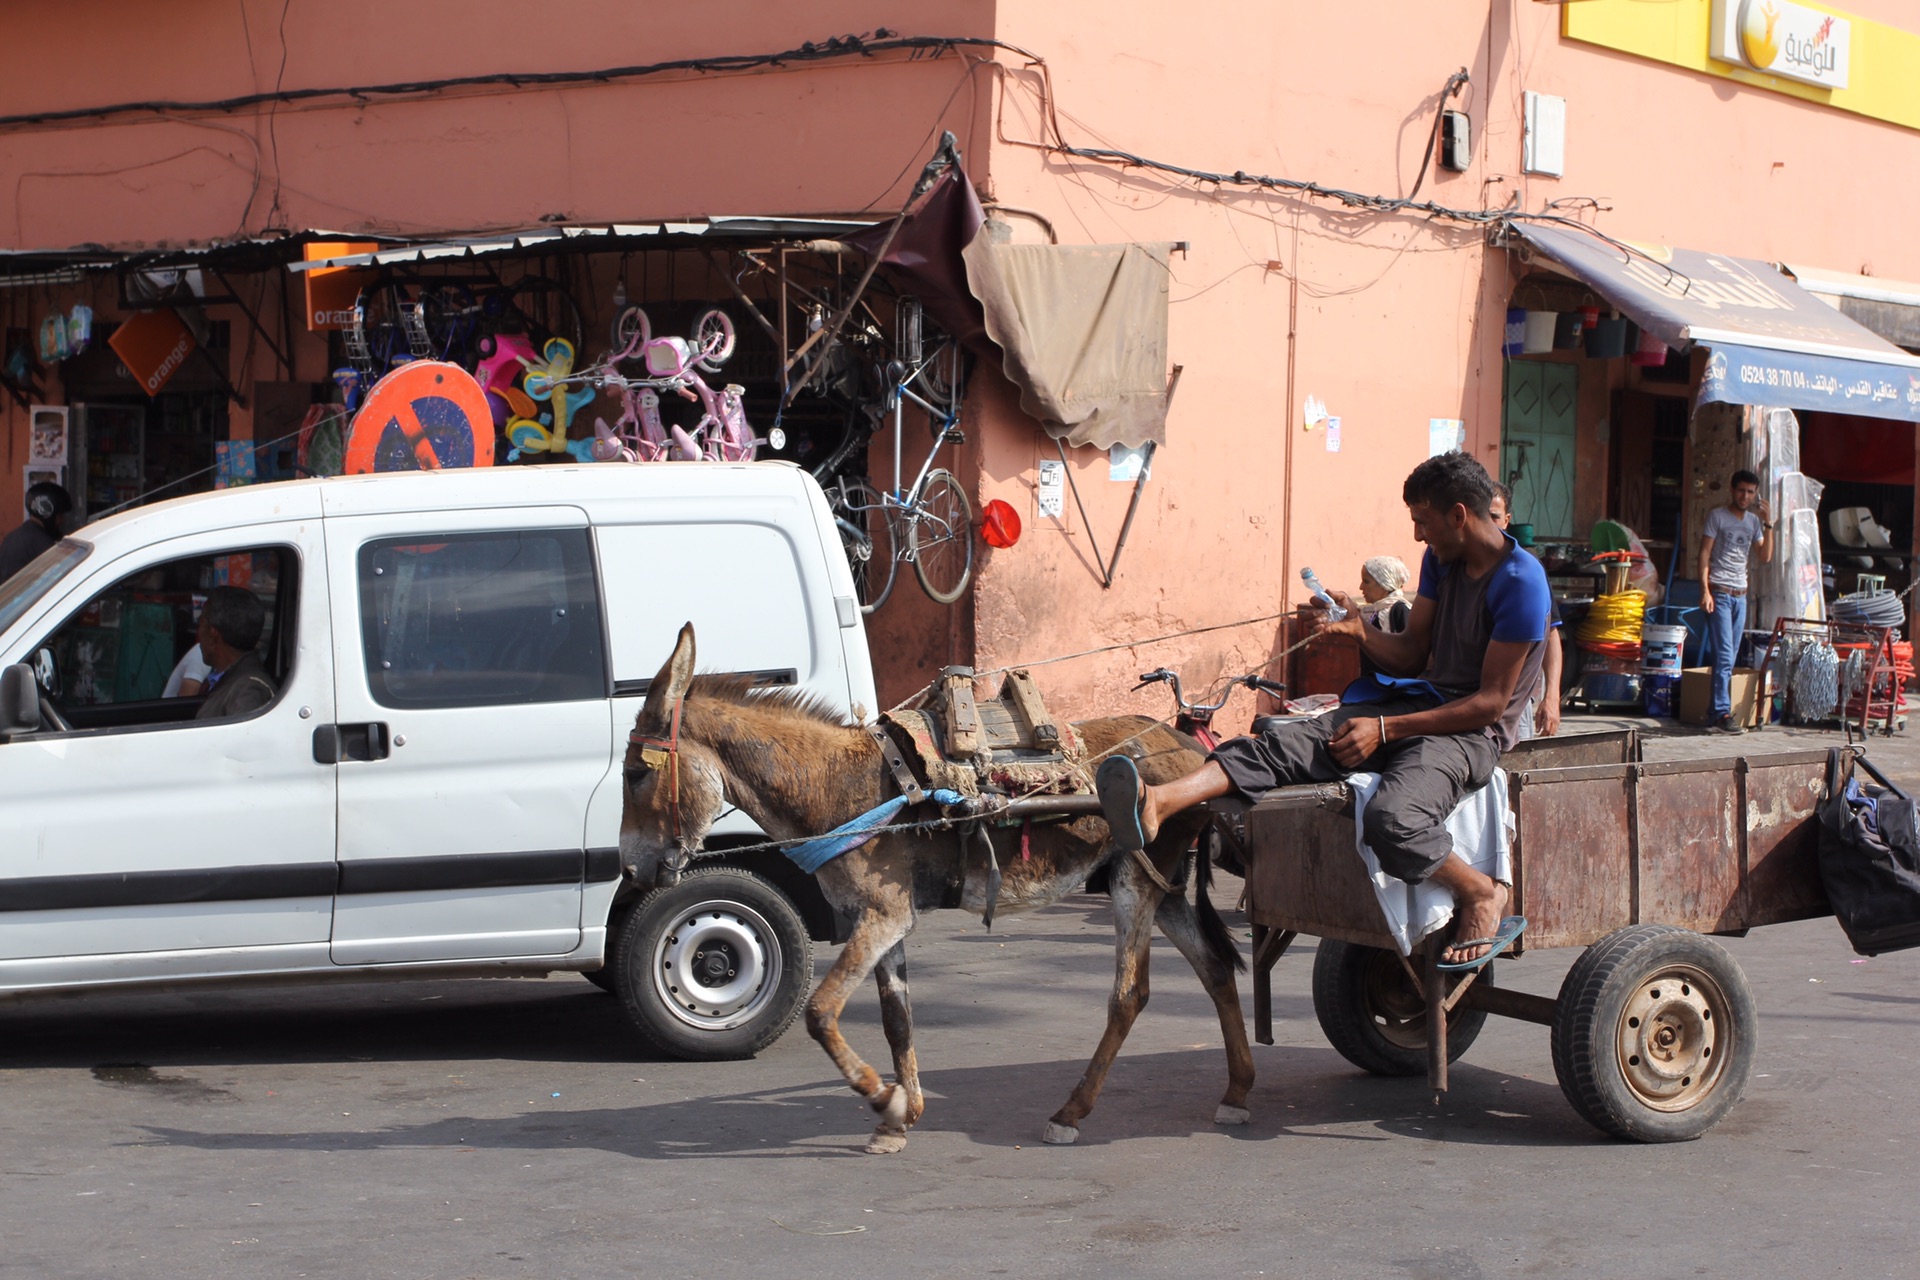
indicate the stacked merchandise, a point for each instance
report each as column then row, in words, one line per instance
column 1609, row 638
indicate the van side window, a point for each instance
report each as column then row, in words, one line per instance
column 115, row 658
column 470, row 620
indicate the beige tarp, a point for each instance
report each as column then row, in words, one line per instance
column 1084, row 332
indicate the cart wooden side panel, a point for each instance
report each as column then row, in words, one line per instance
column 1304, row 874
column 1717, row 846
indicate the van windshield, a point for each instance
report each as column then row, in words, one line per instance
column 18, row 593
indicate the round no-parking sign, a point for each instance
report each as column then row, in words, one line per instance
column 423, row 416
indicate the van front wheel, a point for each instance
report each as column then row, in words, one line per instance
column 714, row 967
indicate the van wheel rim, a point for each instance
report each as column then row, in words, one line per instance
column 717, row 967
column 1672, row 1038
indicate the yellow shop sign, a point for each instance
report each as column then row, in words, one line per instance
column 1783, row 39
column 1823, row 55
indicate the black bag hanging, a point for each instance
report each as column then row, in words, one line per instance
column 1870, row 857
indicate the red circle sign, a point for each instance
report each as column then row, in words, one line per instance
column 423, row 416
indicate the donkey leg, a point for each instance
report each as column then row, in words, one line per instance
column 896, row 1015
column 876, row 933
column 1133, row 909
column 1177, row 920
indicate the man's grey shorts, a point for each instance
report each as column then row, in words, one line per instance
column 1421, row 779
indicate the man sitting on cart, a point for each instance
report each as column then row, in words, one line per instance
column 1452, row 689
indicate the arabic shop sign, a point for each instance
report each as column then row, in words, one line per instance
column 1738, row 374
column 1781, row 38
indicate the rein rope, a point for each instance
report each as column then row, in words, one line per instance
column 656, row 751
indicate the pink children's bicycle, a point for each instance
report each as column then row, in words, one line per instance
column 676, row 364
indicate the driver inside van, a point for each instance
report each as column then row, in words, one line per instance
column 230, row 627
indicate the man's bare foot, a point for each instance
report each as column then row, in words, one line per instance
column 1476, row 915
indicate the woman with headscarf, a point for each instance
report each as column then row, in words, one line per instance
column 1383, row 582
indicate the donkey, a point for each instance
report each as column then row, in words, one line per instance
column 791, row 763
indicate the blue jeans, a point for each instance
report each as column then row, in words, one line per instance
column 1725, row 625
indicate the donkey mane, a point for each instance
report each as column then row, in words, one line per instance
column 741, row 691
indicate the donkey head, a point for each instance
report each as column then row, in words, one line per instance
column 674, row 785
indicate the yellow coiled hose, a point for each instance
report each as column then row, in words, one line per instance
column 1615, row 619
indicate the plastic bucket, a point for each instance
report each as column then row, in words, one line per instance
column 1661, row 649
column 1660, row 691
column 1537, row 332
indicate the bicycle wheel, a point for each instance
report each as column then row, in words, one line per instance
column 940, row 537
column 866, row 530
column 631, row 331
column 713, row 339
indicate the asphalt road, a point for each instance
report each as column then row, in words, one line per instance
column 515, row 1128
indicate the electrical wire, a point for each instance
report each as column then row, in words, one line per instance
column 880, row 41
column 1455, row 82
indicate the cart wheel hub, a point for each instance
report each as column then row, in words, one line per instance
column 1669, row 1039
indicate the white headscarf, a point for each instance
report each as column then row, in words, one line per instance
column 1391, row 573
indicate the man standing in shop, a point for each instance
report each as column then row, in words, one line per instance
column 1731, row 533
column 47, row 505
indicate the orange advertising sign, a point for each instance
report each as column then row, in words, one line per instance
column 331, row 290
column 153, row 345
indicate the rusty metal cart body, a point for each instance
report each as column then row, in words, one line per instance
column 1653, row 1029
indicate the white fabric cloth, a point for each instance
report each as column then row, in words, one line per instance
column 1482, row 829
column 190, row 667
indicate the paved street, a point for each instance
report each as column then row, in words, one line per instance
column 516, row 1129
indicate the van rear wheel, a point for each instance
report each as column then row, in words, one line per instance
column 714, row 967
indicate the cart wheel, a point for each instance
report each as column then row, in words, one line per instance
column 1374, row 1015
column 1654, row 1037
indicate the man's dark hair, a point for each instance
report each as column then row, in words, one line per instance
column 1505, row 495
column 1451, row 477
column 1743, row 476
column 237, row 614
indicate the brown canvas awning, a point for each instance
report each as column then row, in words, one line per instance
column 1081, row 330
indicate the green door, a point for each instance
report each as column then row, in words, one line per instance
column 1536, row 444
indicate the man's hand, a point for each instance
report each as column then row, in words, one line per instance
column 1706, row 598
column 1354, row 741
column 1347, row 626
column 1546, row 716
column 1760, row 509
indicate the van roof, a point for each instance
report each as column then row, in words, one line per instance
column 449, row 489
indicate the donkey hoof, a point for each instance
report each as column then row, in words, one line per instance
column 885, row 1142
column 1060, row 1135
column 1232, row 1115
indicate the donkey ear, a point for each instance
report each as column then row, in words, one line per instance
column 670, row 685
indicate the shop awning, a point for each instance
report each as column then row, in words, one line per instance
column 1080, row 330
column 1891, row 308
column 603, row 237
column 1772, row 342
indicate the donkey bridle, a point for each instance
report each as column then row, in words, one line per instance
column 664, row 753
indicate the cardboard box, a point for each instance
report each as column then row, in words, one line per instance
column 1696, row 696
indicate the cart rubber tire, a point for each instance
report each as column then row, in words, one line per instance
column 1373, row 1015
column 1655, row 1035
column 760, row 956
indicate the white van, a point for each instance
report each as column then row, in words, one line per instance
column 435, row 788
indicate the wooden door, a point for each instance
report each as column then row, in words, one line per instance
column 1537, row 444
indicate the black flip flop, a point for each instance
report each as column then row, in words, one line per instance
column 1117, row 783
column 1510, row 928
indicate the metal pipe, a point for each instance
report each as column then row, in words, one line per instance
column 1139, row 483
column 1053, row 237
column 1502, row 1003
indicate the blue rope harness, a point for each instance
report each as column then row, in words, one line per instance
column 848, row 836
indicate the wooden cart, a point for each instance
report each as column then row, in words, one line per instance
column 1654, row 1028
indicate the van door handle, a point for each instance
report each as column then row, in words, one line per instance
column 333, row 743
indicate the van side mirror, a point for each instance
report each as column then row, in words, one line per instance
column 19, row 700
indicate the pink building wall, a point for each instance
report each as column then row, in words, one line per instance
column 1390, row 319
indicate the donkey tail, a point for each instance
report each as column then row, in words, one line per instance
column 1213, row 930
